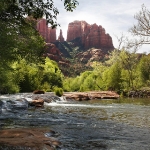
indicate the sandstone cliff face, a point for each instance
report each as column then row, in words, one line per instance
column 90, row 35
column 48, row 33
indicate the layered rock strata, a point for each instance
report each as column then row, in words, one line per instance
column 90, row 35
column 48, row 33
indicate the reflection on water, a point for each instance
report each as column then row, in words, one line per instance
column 135, row 101
column 121, row 124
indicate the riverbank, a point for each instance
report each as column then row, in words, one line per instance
column 79, row 96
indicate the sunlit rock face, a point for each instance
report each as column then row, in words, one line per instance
column 90, row 35
column 48, row 33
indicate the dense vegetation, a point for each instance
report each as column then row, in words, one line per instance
column 124, row 71
column 24, row 69
column 26, row 77
column 22, row 65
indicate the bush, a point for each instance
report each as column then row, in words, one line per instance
column 58, row 91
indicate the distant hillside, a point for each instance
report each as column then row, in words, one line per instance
column 79, row 59
column 85, row 43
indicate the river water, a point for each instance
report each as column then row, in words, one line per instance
column 121, row 124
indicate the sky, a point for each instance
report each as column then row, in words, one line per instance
column 116, row 16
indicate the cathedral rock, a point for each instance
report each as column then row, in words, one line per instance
column 89, row 35
column 48, row 33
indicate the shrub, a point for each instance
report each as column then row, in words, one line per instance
column 58, row 91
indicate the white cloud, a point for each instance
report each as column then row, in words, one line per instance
column 115, row 16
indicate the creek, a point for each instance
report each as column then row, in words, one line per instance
column 119, row 124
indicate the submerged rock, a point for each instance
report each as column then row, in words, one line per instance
column 37, row 103
column 27, row 138
column 38, row 92
column 48, row 97
column 17, row 105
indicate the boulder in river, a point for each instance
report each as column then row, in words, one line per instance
column 27, row 138
column 37, row 103
column 38, row 92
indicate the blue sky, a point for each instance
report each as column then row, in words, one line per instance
column 116, row 16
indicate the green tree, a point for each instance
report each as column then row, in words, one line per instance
column 20, row 42
column 128, row 62
column 144, row 69
column 7, row 81
column 99, row 69
column 30, row 76
column 112, row 77
column 52, row 74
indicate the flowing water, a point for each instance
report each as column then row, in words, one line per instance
column 122, row 124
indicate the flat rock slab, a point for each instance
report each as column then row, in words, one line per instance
column 91, row 95
column 28, row 138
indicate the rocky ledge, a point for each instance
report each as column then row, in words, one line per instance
column 25, row 138
column 79, row 96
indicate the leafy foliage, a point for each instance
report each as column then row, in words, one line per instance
column 17, row 9
column 7, row 81
column 58, row 91
column 144, row 69
column 27, row 77
column 20, row 42
column 122, row 74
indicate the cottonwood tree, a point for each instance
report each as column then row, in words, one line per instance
column 126, row 56
column 141, row 35
column 142, row 29
column 144, row 69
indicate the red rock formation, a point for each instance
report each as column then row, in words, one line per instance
column 91, row 35
column 77, row 29
column 60, row 37
column 48, row 33
column 51, row 35
column 54, row 53
column 27, row 138
column 81, row 96
column 37, row 103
